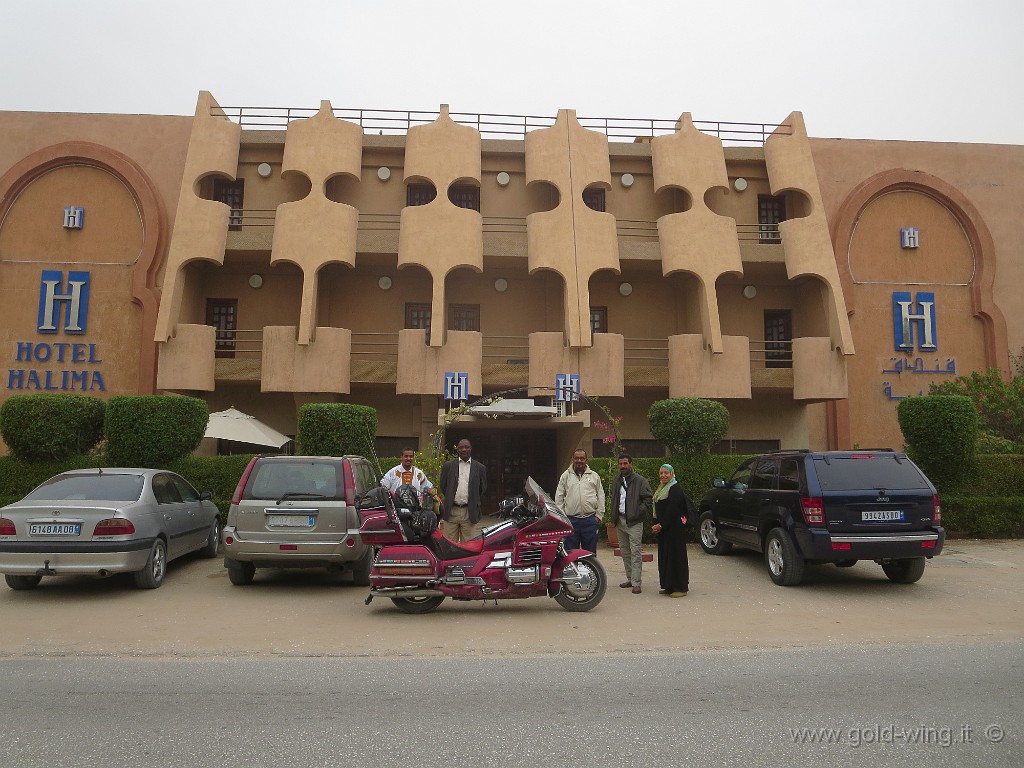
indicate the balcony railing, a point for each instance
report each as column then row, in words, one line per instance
column 495, row 126
column 502, row 225
column 646, row 352
column 771, row 354
column 507, row 350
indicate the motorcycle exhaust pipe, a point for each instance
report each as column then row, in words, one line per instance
column 405, row 592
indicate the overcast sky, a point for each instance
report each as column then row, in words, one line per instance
column 924, row 70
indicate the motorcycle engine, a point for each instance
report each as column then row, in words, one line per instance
column 528, row 575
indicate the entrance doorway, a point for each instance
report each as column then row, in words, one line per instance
column 510, row 457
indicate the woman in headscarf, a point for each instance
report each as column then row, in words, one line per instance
column 672, row 516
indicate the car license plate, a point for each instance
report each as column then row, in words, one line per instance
column 882, row 515
column 55, row 529
column 292, row 521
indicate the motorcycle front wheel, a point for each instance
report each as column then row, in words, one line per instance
column 574, row 597
column 417, row 604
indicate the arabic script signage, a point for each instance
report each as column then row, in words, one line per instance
column 914, row 329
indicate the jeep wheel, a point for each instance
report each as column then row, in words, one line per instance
column 240, row 573
column 417, row 604
column 710, row 541
column 361, row 569
column 904, row 571
column 785, row 565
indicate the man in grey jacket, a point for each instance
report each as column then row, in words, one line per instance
column 580, row 495
column 631, row 504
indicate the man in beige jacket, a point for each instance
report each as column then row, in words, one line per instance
column 580, row 495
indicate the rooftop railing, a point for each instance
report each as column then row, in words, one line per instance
column 394, row 122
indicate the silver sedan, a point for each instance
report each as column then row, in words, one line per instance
column 106, row 521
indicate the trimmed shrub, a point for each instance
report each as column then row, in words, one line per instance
column 336, row 429
column 153, row 430
column 51, row 427
column 990, row 475
column 688, row 425
column 941, row 431
column 983, row 516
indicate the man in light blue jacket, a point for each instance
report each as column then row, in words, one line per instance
column 580, row 495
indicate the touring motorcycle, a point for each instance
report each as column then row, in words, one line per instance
column 522, row 556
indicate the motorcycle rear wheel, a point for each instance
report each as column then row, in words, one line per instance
column 417, row 604
column 584, row 602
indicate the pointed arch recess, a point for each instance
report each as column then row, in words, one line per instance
column 983, row 304
column 154, row 226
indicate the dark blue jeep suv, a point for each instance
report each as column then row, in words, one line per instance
column 801, row 506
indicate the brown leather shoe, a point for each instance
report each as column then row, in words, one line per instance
column 626, row 584
column 636, row 590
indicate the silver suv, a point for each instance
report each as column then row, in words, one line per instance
column 298, row 512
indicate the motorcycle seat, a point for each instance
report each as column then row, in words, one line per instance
column 447, row 549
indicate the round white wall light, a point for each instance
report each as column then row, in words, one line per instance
column 503, row 179
column 264, row 170
column 384, row 283
column 383, row 173
column 627, row 180
column 501, row 285
column 255, row 281
column 739, row 184
column 625, row 288
column 749, row 291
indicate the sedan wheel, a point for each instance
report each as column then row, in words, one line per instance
column 152, row 576
column 22, row 582
column 213, row 542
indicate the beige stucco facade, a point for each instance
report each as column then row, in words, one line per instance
column 363, row 265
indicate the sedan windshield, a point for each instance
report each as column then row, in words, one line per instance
column 80, row 487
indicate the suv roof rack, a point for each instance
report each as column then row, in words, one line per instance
column 791, row 450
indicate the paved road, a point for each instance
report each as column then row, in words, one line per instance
column 905, row 704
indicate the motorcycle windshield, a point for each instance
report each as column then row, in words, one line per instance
column 535, row 496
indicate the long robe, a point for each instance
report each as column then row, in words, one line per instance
column 673, row 566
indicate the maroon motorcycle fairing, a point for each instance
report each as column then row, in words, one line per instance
column 518, row 558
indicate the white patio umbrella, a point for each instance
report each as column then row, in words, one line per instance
column 234, row 425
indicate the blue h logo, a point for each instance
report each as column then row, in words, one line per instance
column 905, row 320
column 456, row 386
column 567, row 386
column 53, row 297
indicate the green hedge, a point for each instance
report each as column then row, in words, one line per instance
column 997, row 513
column 51, row 427
column 942, row 434
column 991, row 475
column 688, row 425
column 217, row 474
column 984, row 516
column 336, row 429
column 153, row 430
